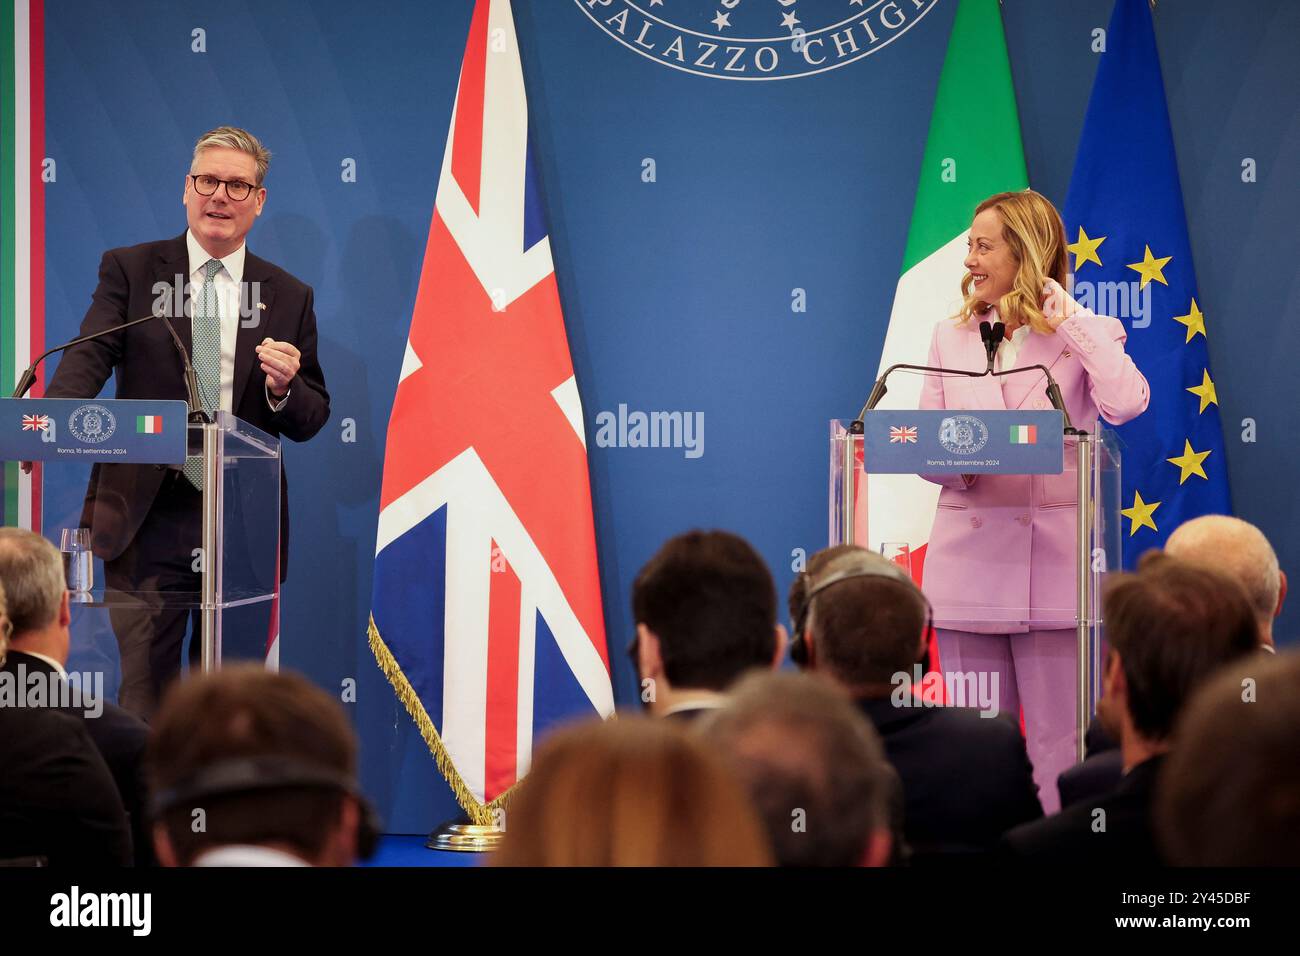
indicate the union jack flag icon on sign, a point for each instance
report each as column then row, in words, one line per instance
column 36, row 423
column 901, row 435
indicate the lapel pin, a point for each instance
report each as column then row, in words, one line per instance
column 262, row 306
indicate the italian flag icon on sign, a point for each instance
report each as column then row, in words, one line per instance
column 148, row 424
column 1024, row 434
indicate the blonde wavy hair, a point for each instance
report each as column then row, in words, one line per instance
column 636, row 792
column 1033, row 229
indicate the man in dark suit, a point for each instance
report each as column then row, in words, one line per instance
column 1169, row 626
column 705, row 612
column 966, row 778
column 58, row 804
column 1233, row 546
column 31, row 571
column 251, row 331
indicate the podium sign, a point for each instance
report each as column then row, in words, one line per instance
column 941, row 441
column 75, row 430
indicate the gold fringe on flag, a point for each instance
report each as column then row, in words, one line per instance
column 482, row 814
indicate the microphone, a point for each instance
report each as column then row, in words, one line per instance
column 196, row 413
column 992, row 336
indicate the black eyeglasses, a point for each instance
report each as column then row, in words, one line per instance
column 236, row 189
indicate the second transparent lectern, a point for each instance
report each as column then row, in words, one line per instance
column 878, row 499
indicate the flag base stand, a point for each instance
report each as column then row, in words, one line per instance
column 465, row 837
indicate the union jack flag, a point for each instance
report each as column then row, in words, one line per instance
column 486, row 612
column 36, row 423
column 902, row 435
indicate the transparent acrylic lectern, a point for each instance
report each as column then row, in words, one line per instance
column 871, row 497
column 235, row 582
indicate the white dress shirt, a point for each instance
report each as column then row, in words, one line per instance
column 244, row 854
column 51, row 661
column 1009, row 350
column 227, row 283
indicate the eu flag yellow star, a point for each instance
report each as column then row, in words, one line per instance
column 1194, row 320
column 1205, row 392
column 1085, row 250
column 1190, row 462
column 1150, row 268
column 1140, row 514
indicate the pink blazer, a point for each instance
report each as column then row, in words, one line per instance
column 1001, row 556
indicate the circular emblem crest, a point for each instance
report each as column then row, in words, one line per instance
column 755, row 39
column 963, row 434
column 92, row 424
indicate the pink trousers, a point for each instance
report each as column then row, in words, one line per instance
column 1037, row 673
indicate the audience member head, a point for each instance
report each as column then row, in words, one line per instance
column 863, row 620
column 632, row 792
column 270, row 760
column 1240, row 550
column 32, row 571
column 705, row 612
column 814, row 766
column 1229, row 794
column 1168, row 626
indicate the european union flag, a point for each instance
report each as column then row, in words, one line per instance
column 1132, row 259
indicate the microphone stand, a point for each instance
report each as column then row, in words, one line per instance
column 196, row 412
column 878, row 390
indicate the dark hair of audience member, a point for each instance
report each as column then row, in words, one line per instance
column 710, row 599
column 865, row 630
column 1199, row 618
column 1229, row 793
column 631, row 792
column 247, row 711
column 814, row 766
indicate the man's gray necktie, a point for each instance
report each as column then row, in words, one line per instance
column 205, row 332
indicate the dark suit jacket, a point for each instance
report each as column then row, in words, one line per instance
column 57, row 797
column 131, row 280
column 120, row 738
column 1095, row 777
column 966, row 778
column 1069, row 837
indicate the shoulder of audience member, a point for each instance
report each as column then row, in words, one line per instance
column 1041, row 838
column 973, row 723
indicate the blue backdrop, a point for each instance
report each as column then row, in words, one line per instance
column 677, row 292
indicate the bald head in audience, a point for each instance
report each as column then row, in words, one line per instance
column 1240, row 550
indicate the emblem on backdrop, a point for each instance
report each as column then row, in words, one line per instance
column 755, row 39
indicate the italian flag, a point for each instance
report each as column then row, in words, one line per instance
column 148, row 424
column 22, row 226
column 1024, row 434
column 972, row 151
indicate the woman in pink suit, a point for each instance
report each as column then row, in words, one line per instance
column 1000, row 565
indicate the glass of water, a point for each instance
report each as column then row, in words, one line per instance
column 78, row 561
